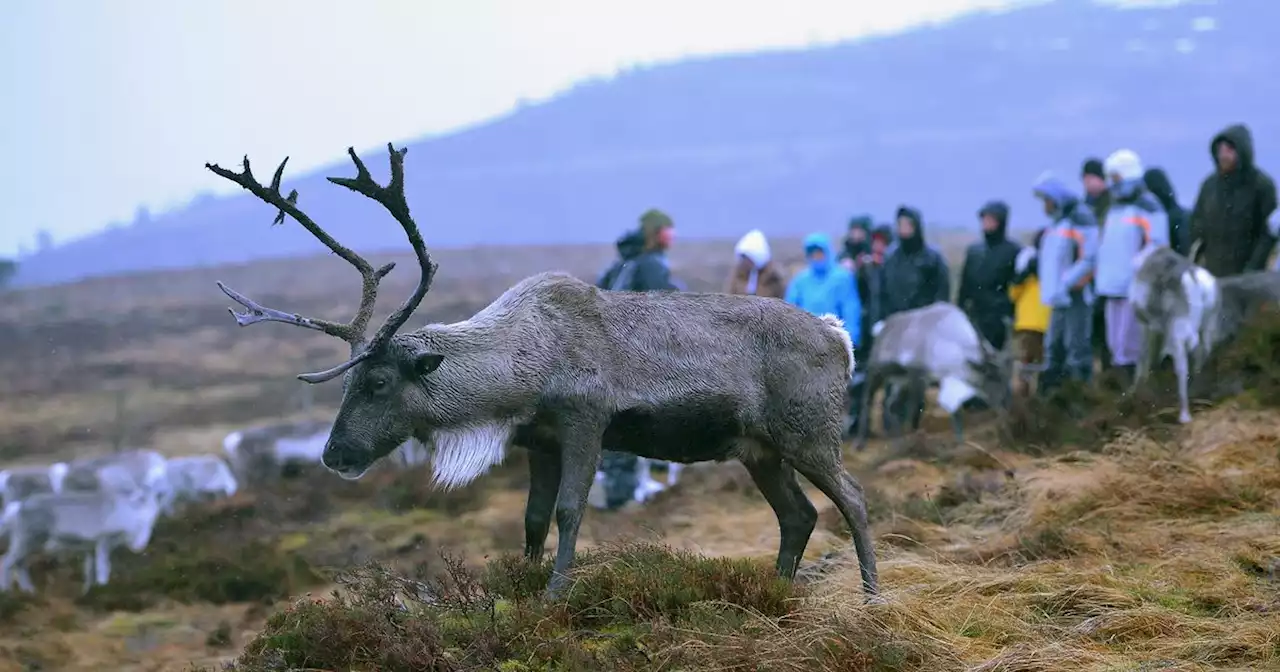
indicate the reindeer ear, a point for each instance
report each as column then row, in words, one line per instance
column 426, row 362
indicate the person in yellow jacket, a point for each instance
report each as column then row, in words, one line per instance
column 1030, row 315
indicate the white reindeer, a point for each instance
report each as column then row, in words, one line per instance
column 196, row 478
column 935, row 344
column 77, row 522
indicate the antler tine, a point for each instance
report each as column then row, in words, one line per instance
column 352, row 332
column 393, row 199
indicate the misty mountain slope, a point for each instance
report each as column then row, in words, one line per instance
column 942, row 117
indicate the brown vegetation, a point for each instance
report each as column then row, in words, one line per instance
column 1089, row 533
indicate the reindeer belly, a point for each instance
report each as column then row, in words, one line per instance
column 690, row 432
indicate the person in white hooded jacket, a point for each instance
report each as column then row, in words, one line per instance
column 754, row 271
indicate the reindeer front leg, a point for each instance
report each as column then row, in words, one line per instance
column 579, row 455
column 544, row 486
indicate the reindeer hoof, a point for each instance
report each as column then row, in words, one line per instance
column 877, row 599
column 1184, row 417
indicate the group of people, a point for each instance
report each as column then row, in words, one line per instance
column 1065, row 293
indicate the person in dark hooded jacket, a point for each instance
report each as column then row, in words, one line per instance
column 987, row 273
column 1159, row 185
column 1229, row 219
column 857, row 242
column 915, row 274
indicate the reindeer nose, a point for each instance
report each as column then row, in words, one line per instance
column 336, row 459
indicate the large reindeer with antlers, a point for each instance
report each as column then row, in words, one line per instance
column 557, row 366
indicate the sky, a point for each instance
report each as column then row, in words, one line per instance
column 113, row 105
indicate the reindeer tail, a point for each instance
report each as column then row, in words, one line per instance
column 837, row 325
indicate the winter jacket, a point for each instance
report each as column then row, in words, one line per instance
column 827, row 287
column 637, row 269
column 755, row 273
column 988, row 271
column 1134, row 221
column 1068, row 249
column 915, row 274
column 1229, row 219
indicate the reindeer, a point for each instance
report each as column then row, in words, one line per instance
column 197, row 477
column 78, row 522
column 258, row 454
column 127, row 470
column 935, row 344
column 1185, row 313
column 557, row 366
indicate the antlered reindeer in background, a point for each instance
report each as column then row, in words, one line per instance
column 557, row 366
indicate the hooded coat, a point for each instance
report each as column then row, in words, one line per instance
column 986, row 276
column 639, row 267
column 915, row 274
column 827, row 287
column 1229, row 219
column 852, row 250
column 755, row 273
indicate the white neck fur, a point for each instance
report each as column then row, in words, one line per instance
column 461, row 455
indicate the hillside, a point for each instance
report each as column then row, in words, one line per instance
column 942, row 117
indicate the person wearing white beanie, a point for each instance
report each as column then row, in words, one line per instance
column 1136, row 219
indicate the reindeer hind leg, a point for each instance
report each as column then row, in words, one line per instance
column 796, row 515
column 830, row 476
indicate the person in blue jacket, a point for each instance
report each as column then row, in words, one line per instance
column 826, row 287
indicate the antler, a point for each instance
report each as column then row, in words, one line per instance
column 390, row 197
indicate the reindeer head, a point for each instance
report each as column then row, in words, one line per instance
column 383, row 373
column 994, row 373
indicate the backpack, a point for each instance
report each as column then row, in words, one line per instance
column 620, row 276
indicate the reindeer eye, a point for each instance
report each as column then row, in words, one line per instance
column 378, row 384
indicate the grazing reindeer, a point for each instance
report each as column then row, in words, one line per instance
column 78, row 522
column 557, row 366
column 935, row 344
column 1186, row 313
column 259, row 454
column 195, row 478
column 130, row 469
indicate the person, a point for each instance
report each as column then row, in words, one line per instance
column 1065, row 264
column 916, row 272
column 825, row 286
column 1134, row 221
column 621, row 271
column 915, row 275
column 755, row 273
column 857, row 243
column 1030, row 314
column 1158, row 183
column 870, row 275
column 986, row 275
column 642, row 267
column 1235, row 202
column 1097, row 194
column 1098, row 197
